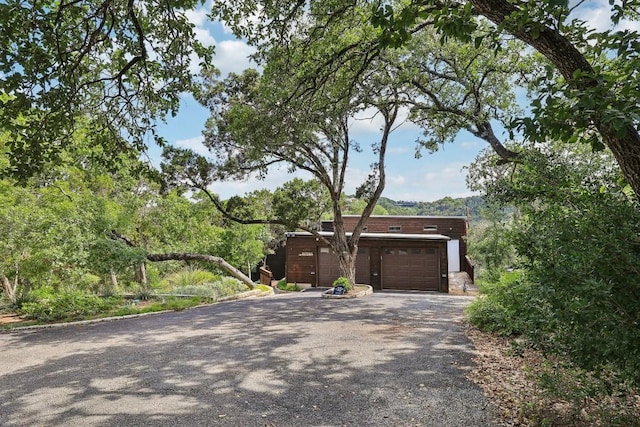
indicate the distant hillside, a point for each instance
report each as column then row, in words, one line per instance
column 447, row 206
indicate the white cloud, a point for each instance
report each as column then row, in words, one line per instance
column 367, row 121
column 370, row 120
column 233, row 56
column 597, row 15
column 197, row 16
column 277, row 176
column 417, row 185
column 396, row 180
column 438, row 182
column 204, row 36
column 194, row 144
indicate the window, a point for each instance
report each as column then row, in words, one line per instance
column 388, row 251
column 362, row 251
column 324, row 250
column 402, row 252
column 416, row 251
column 430, row 228
column 430, row 251
column 395, row 228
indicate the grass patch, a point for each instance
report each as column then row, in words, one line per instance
column 175, row 304
column 289, row 287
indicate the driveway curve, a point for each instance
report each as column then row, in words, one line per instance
column 390, row 359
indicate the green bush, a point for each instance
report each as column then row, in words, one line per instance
column 68, row 305
column 190, row 277
column 504, row 307
column 224, row 287
column 291, row 287
column 343, row 281
column 576, row 236
column 89, row 282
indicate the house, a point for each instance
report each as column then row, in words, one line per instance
column 394, row 252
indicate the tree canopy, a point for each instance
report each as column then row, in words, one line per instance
column 113, row 67
column 587, row 90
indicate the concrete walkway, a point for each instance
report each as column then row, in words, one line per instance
column 391, row 359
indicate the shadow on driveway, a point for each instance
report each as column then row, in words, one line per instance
column 396, row 359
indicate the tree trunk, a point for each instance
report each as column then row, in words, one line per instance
column 207, row 258
column 570, row 62
column 141, row 274
column 347, row 264
column 114, row 278
column 10, row 289
column 344, row 250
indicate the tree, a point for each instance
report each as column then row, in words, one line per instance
column 587, row 92
column 116, row 66
column 262, row 120
column 454, row 87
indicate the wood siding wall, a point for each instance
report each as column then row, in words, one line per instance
column 453, row 227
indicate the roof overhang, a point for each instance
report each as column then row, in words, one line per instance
column 377, row 236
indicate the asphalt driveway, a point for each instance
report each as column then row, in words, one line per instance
column 390, row 359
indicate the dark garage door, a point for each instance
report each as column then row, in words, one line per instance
column 330, row 269
column 410, row 268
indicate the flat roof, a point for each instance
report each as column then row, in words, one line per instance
column 387, row 236
column 406, row 216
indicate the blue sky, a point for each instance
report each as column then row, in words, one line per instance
column 433, row 176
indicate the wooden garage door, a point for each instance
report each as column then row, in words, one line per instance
column 363, row 266
column 329, row 268
column 410, row 268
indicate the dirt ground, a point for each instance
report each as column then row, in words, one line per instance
column 508, row 375
column 6, row 319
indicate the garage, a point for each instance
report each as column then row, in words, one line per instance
column 410, row 268
column 385, row 261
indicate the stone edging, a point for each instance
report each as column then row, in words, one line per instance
column 328, row 294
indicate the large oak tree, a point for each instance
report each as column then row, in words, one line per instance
column 589, row 91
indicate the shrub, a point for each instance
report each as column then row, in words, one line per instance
column 292, row 287
column 68, row 305
column 224, row 287
column 89, row 282
column 508, row 307
column 343, row 281
column 190, row 277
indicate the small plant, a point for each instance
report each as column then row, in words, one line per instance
column 291, row 287
column 344, row 282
